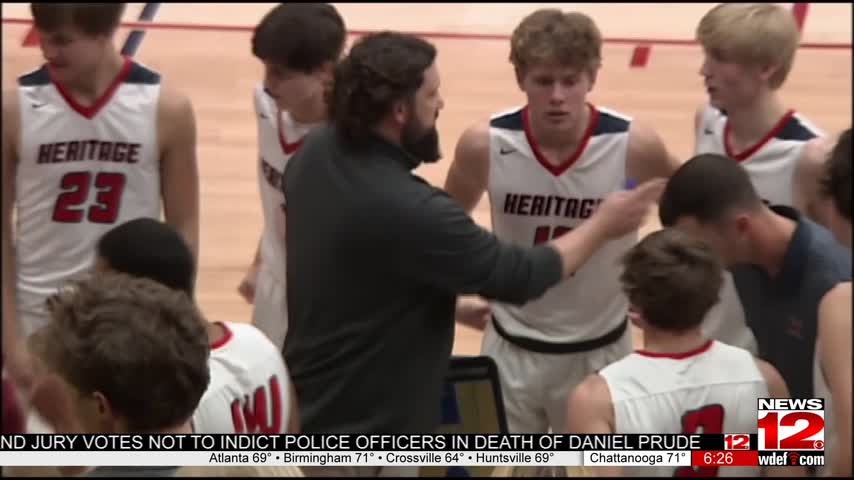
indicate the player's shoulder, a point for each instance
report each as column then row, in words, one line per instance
column 508, row 119
column 139, row 73
column 776, row 385
column 592, row 390
column 248, row 336
column 837, row 299
column 611, row 121
column 706, row 112
column 173, row 103
column 799, row 128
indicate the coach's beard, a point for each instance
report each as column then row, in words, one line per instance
column 421, row 142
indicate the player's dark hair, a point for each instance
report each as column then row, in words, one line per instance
column 706, row 187
column 673, row 279
column 149, row 248
column 89, row 18
column 300, row 36
column 836, row 182
column 141, row 344
column 380, row 70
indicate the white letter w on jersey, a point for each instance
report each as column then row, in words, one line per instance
column 253, row 416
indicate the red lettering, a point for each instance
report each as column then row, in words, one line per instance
column 710, row 419
column 69, row 206
column 255, row 416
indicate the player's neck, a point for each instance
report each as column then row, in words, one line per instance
column 87, row 89
column 560, row 141
column 657, row 341
column 216, row 333
column 774, row 234
column 314, row 113
column 750, row 123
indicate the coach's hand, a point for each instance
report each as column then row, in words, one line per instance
column 473, row 312
column 246, row 289
column 624, row 211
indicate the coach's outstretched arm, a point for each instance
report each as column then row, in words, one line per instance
column 432, row 238
column 15, row 357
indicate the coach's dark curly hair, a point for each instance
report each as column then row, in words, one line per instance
column 380, row 70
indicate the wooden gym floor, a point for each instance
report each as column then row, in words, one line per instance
column 204, row 50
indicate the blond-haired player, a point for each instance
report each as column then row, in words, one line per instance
column 547, row 166
column 749, row 51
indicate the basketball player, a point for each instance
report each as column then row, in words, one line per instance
column 547, row 166
column 680, row 382
column 833, row 374
column 749, row 50
column 90, row 139
column 250, row 390
column 299, row 44
column 131, row 353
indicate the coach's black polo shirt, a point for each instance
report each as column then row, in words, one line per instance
column 376, row 257
column 782, row 311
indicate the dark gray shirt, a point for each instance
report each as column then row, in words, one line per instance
column 376, row 257
column 783, row 311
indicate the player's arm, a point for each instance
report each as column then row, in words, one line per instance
column 806, row 182
column 468, row 174
column 15, row 357
column 834, row 343
column 179, row 170
column 647, row 157
column 777, row 389
column 589, row 410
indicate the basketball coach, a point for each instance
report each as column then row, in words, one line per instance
column 376, row 256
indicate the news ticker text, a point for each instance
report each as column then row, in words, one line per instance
column 395, row 450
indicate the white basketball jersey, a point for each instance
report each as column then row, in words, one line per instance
column 249, row 390
column 279, row 137
column 710, row 390
column 772, row 162
column 81, row 171
column 534, row 202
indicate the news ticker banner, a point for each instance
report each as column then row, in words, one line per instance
column 703, row 450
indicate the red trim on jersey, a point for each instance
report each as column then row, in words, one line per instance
column 91, row 111
column 288, row 148
column 768, row 136
column 558, row 170
column 677, row 356
column 225, row 338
